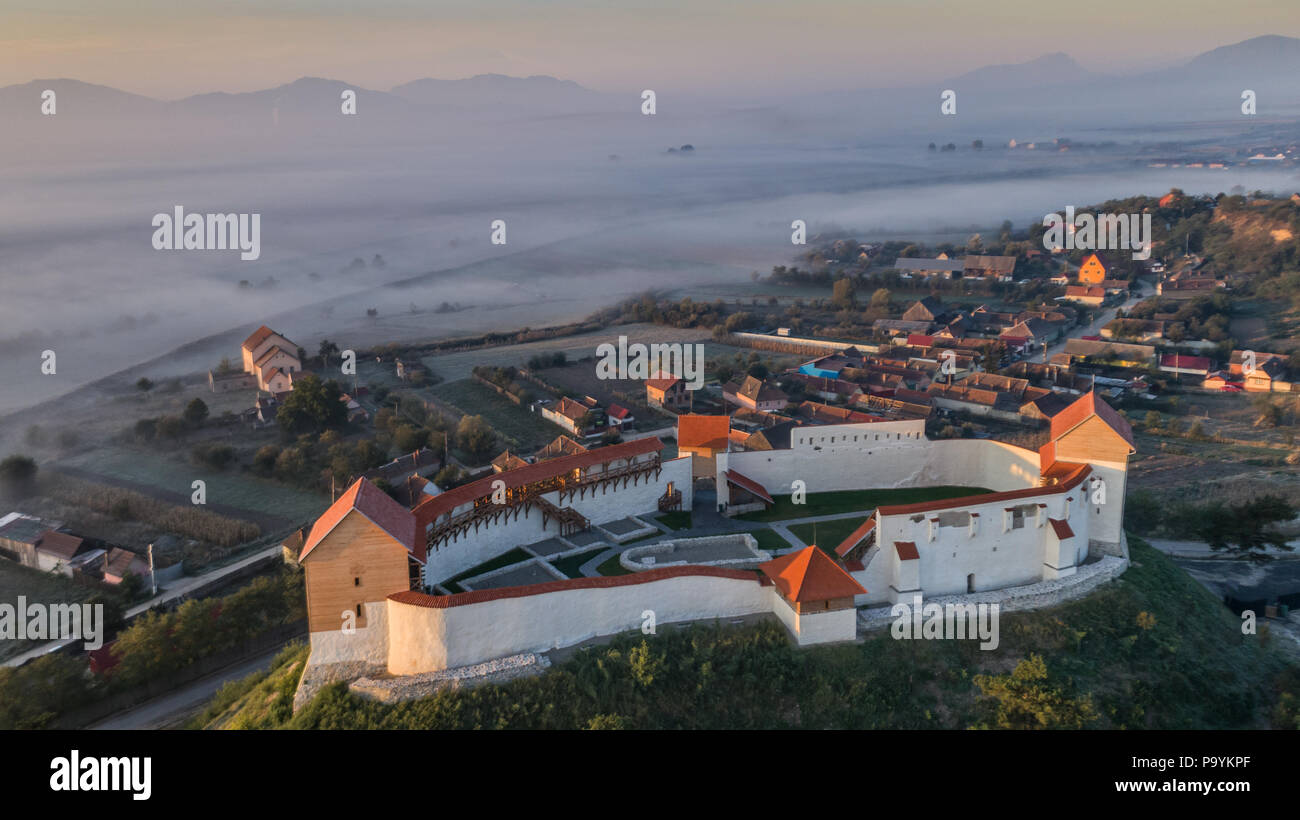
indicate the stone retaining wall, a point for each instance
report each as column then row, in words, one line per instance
column 1023, row 598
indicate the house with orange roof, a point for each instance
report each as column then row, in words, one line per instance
column 1092, row 271
column 1092, row 295
column 271, row 358
column 668, row 392
column 573, row 416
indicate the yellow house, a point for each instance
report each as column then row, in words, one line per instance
column 1092, row 271
column 271, row 358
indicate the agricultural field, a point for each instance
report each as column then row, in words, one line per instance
column 519, row 428
column 459, row 365
column 239, row 495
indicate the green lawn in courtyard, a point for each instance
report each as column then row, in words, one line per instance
column 827, row 534
column 770, row 539
column 853, row 500
column 676, row 519
column 611, row 566
column 515, row 556
column 571, row 565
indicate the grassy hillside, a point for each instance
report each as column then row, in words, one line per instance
column 1151, row 650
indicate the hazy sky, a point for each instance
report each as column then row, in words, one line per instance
column 173, row 48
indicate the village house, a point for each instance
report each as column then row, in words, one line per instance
column 1092, row 271
column 1188, row 284
column 1183, row 365
column 271, row 358
column 1000, row 268
column 1119, row 353
column 423, row 462
column 120, row 563
column 507, row 460
column 573, row 416
column 776, row 437
column 620, row 417
column 668, row 392
column 902, row 405
column 924, row 268
column 1269, row 373
column 1091, row 295
column 559, row 446
column 754, row 394
column 899, row 327
column 223, row 381
column 929, row 309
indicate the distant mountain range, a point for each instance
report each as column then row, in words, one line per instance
column 1259, row 58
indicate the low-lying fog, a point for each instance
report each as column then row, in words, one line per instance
column 595, row 207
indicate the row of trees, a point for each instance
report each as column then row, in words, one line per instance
column 1246, row 528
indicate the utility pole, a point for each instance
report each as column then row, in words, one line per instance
column 153, row 575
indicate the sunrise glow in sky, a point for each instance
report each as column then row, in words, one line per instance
column 171, row 49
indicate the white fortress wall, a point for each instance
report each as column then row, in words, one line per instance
column 1108, row 517
column 611, row 502
column 952, row 546
column 426, row 639
column 876, row 576
column 368, row 644
column 616, row 501
column 898, row 458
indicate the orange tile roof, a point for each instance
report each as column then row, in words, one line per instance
column 1084, row 408
column 907, row 550
column 1068, row 480
column 662, row 382
column 856, row 537
column 711, row 432
column 746, row 483
column 258, row 336
column 378, row 508
column 810, row 575
column 434, row 507
column 1062, row 528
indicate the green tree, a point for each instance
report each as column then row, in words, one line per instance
column 196, row 412
column 842, row 293
column 1248, row 528
column 170, row 427
column 1025, row 699
column 475, row 437
column 18, row 472
column 312, row 407
column 327, row 349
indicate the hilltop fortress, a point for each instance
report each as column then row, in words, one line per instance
column 374, row 568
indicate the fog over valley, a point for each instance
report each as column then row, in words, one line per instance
column 600, row 201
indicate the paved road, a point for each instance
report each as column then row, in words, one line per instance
column 178, row 589
column 1202, row 550
column 173, row 708
column 1244, row 580
column 1093, row 329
